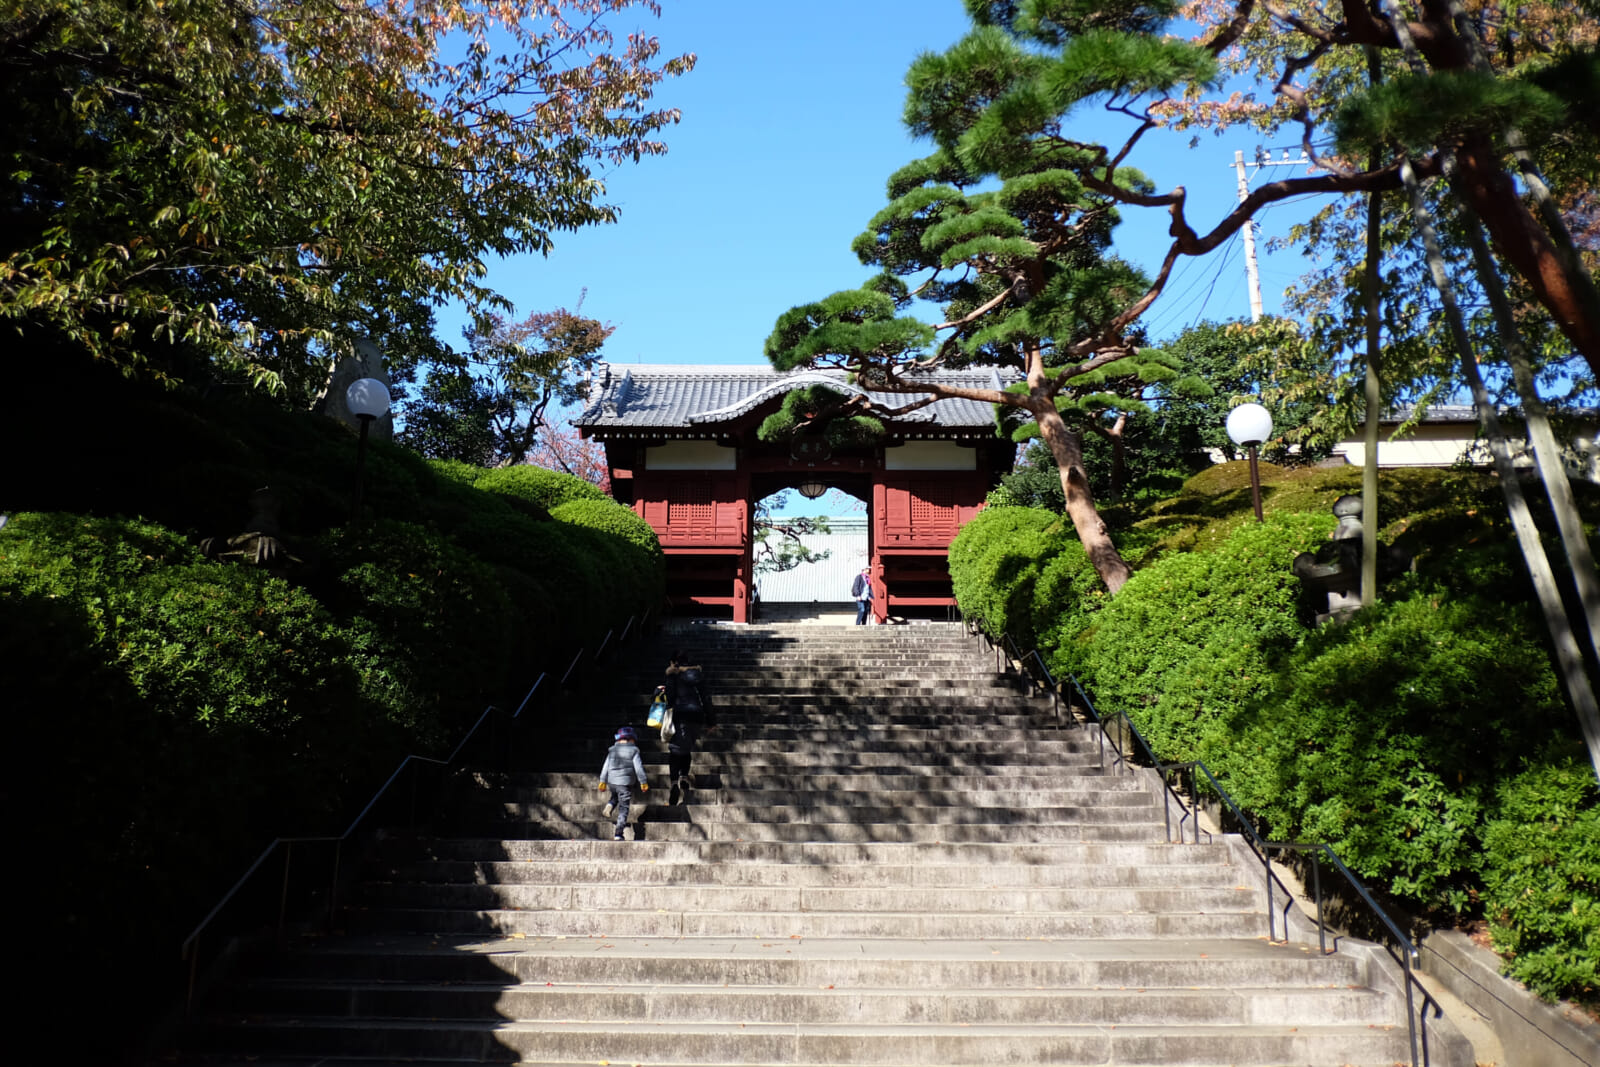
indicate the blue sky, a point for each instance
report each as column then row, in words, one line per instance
column 791, row 124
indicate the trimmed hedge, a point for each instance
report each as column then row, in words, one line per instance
column 1426, row 740
column 542, row 488
column 428, row 624
column 1385, row 737
column 1190, row 636
column 1542, row 874
column 182, row 712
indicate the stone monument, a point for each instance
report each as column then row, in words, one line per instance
column 1332, row 574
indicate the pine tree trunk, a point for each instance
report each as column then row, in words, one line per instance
column 1067, row 448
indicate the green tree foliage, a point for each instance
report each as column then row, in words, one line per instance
column 777, row 543
column 1007, row 227
column 1485, row 97
column 257, row 185
column 816, row 411
column 452, row 417
column 488, row 406
column 1166, row 431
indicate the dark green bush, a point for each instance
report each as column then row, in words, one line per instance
column 534, row 485
column 610, row 517
column 457, row 471
column 1190, row 636
column 427, row 623
column 208, row 642
column 1384, row 737
column 624, row 578
column 1542, row 875
column 995, row 532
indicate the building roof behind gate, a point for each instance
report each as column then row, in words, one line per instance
column 698, row 397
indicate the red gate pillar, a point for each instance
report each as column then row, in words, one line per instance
column 744, row 571
column 880, row 592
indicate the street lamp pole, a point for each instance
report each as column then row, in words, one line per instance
column 1249, row 425
column 368, row 399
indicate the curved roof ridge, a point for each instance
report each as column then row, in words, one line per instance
column 787, row 383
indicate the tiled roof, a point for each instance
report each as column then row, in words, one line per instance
column 699, row 396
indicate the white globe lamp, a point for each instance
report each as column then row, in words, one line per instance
column 1249, row 425
column 367, row 399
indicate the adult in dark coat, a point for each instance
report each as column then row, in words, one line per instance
column 692, row 716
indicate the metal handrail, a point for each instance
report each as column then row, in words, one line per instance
column 189, row 948
column 1409, row 955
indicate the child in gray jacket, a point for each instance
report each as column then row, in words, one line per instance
column 622, row 770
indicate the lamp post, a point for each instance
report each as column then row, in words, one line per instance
column 368, row 399
column 1249, row 425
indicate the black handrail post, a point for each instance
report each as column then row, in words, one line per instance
column 1411, row 1006
column 1194, row 798
column 283, row 892
column 1272, row 922
column 333, row 886
column 1316, row 888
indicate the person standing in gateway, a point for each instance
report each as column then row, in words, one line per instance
column 861, row 589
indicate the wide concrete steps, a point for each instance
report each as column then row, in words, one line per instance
column 635, row 1041
column 889, row 856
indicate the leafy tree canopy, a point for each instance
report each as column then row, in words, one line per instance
column 255, row 185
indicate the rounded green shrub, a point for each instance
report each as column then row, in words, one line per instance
column 545, row 489
column 211, row 642
column 1542, row 875
column 610, row 517
column 1191, row 635
column 458, row 471
column 1383, row 737
column 636, row 564
column 428, row 623
column 994, row 535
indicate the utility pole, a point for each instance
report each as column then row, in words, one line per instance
column 1252, row 272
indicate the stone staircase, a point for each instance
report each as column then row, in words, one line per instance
column 890, row 856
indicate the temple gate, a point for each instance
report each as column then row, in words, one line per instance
column 681, row 446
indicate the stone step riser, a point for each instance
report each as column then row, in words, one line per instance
column 717, row 757
column 837, row 1006
column 755, row 798
column 842, row 746
column 888, row 901
column 780, row 925
column 940, row 876
column 833, row 734
column 787, row 1044
column 895, row 855
column 865, row 833
column 705, row 806
column 1148, row 977
column 969, row 787
column 812, row 853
